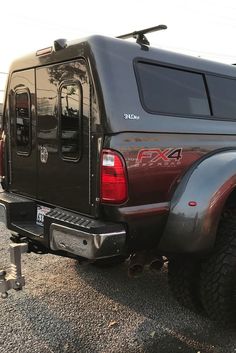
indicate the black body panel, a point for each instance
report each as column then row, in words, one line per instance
column 23, row 172
column 63, row 180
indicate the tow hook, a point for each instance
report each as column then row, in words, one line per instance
column 14, row 278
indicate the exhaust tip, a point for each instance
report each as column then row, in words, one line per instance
column 157, row 264
column 135, row 271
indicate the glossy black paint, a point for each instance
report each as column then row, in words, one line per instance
column 112, row 65
column 23, row 166
column 63, row 182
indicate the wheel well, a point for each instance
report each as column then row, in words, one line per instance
column 229, row 209
column 230, row 203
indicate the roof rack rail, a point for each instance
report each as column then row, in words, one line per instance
column 140, row 35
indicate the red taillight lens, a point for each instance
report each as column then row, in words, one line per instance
column 114, row 185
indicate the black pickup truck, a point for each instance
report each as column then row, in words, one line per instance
column 114, row 150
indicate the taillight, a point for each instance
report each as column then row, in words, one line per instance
column 114, row 184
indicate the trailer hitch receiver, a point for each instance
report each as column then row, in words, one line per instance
column 13, row 279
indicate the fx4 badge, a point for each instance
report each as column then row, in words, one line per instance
column 155, row 154
column 43, row 154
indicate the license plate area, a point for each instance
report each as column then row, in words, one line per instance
column 41, row 212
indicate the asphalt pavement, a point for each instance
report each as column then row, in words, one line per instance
column 66, row 307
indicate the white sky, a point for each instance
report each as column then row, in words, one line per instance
column 204, row 28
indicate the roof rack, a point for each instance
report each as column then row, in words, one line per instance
column 140, row 35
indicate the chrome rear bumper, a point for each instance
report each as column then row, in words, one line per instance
column 84, row 244
column 63, row 231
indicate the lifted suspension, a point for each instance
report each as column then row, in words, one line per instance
column 13, row 279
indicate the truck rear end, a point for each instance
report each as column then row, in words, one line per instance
column 50, row 163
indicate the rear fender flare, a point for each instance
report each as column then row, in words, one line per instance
column 197, row 204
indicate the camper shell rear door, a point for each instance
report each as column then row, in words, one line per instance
column 63, row 128
column 22, row 121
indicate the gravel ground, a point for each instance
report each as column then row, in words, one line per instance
column 69, row 308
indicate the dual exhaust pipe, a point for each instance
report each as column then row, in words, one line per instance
column 140, row 260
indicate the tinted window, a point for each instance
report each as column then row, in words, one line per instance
column 70, row 121
column 23, row 122
column 223, row 96
column 174, row 91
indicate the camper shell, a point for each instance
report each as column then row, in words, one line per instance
column 113, row 118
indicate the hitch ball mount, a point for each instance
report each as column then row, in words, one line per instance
column 13, row 279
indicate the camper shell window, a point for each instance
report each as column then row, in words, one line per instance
column 70, row 120
column 23, row 121
column 172, row 91
column 223, row 96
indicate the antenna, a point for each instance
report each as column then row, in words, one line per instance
column 140, row 35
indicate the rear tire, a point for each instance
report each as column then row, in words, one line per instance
column 218, row 276
column 184, row 276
